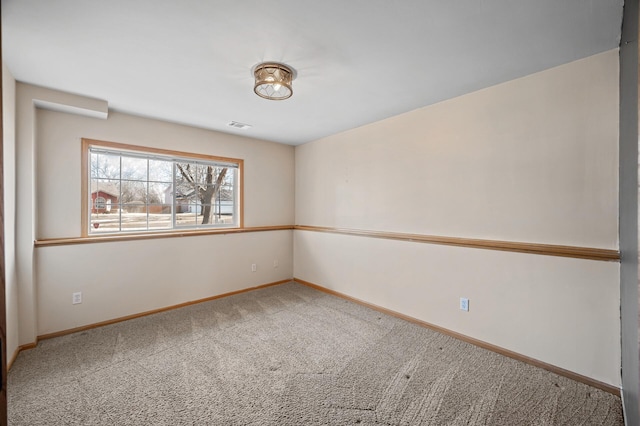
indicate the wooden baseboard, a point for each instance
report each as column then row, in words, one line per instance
column 128, row 317
column 154, row 311
column 13, row 358
column 18, row 350
column 497, row 349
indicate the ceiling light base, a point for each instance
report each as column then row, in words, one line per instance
column 273, row 81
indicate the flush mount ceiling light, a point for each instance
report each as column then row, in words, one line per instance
column 273, row 81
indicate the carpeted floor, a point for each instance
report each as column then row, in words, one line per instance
column 286, row 355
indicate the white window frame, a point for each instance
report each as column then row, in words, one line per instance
column 234, row 164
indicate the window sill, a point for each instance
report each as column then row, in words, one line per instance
column 154, row 235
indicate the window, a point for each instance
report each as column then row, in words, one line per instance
column 136, row 189
column 100, row 203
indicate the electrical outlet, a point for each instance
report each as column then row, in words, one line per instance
column 464, row 304
column 76, row 298
column 275, row 264
column 254, row 267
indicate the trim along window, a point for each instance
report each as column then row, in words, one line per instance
column 132, row 189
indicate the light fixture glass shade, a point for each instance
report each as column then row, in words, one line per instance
column 273, row 81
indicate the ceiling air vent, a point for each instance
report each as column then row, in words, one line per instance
column 238, row 125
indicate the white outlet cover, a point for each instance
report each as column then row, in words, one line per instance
column 76, row 298
column 464, row 304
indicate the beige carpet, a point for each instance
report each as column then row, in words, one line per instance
column 286, row 355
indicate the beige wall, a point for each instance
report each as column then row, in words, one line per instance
column 269, row 169
column 124, row 278
column 561, row 311
column 9, row 187
column 531, row 160
column 120, row 279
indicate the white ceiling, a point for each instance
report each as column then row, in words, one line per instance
column 357, row 61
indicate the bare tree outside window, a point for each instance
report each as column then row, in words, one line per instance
column 206, row 182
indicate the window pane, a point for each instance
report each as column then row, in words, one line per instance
column 206, row 174
column 134, row 207
column 105, row 220
column 206, row 214
column 134, row 168
column 224, row 207
column 228, row 185
column 208, row 195
column 160, row 193
column 217, row 214
column 160, row 216
column 134, row 192
column 105, row 166
column 160, row 171
column 226, row 217
column 184, row 217
column 185, row 193
column 103, row 194
column 186, row 173
column 134, row 216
